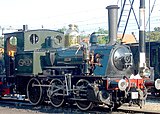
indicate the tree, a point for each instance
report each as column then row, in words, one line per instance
column 102, row 31
column 103, row 36
column 62, row 29
column 157, row 29
column 153, row 35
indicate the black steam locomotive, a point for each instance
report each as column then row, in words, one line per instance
column 42, row 69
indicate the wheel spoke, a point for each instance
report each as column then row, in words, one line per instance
column 55, row 93
column 82, row 94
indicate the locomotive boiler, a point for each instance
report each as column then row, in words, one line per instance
column 91, row 61
column 43, row 69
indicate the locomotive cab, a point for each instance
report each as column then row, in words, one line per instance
column 23, row 52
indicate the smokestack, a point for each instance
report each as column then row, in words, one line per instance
column 142, row 57
column 112, row 23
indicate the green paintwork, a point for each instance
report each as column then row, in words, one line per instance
column 27, row 47
column 29, row 62
column 24, row 39
column 41, row 41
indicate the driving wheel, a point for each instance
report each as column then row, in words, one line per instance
column 81, row 95
column 55, row 93
column 34, row 91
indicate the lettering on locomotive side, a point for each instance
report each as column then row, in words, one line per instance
column 25, row 62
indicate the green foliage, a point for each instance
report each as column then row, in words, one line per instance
column 157, row 29
column 102, row 31
column 103, row 37
column 153, row 35
column 62, row 29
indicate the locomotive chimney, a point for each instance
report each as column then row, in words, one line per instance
column 142, row 57
column 112, row 23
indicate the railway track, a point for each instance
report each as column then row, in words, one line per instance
column 47, row 108
column 133, row 111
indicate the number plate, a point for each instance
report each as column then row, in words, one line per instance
column 134, row 95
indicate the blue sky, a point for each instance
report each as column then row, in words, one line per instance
column 50, row 13
column 54, row 14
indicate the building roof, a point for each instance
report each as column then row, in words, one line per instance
column 128, row 38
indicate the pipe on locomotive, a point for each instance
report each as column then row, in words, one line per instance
column 112, row 23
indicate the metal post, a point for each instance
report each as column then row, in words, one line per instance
column 142, row 34
column 149, row 32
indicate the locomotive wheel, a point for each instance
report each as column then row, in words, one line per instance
column 56, row 93
column 34, row 93
column 81, row 87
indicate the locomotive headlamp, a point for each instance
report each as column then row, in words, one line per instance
column 157, row 84
column 122, row 84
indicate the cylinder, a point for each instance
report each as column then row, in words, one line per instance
column 112, row 23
